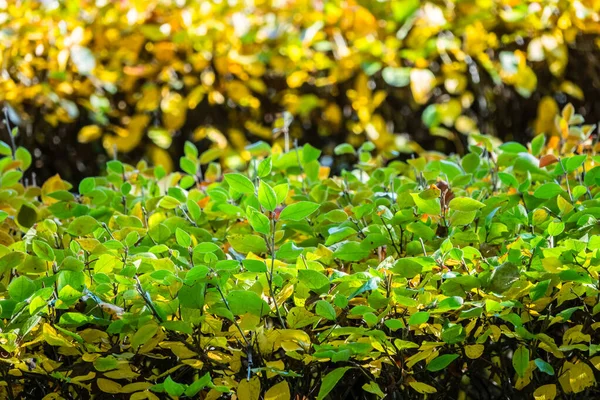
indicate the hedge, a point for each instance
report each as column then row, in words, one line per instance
column 89, row 78
column 439, row 277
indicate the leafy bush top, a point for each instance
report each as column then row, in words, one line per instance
column 474, row 275
column 129, row 71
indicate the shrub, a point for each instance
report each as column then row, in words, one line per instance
column 435, row 277
column 134, row 76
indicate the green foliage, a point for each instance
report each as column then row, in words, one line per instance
column 424, row 277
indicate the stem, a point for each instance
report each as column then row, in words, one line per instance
column 270, row 273
column 566, row 179
column 13, row 146
column 234, row 321
column 147, row 300
column 423, row 247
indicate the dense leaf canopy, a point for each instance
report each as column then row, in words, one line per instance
column 140, row 74
column 473, row 276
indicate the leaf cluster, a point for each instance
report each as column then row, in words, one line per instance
column 439, row 277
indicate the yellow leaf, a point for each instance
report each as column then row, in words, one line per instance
column 108, row 386
column 474, row 351
column 572, row 90
column 90, row 357
column 546, row 112
column 174, row 110
column 422, row 82
column 496, row 333
column 161, row 157
column 552, row 264
column 54, row 184
column 422, row 388
column 546, row 392
column 297, row 78
column 179, row 349
column 124, row 372
column 83, row 378
column 575, row 378
column 89, row 133
column 136, row 387
column 145, row 395
column 149, row 99
column 196, row 364
column 574, row 335
column 595, row 362
column 249, row 390
column 53, row 338
column 128, row 139
column 281, row 391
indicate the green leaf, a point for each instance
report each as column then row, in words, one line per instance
column 23, row 155
column 115, row 166
column 188, row 165
column 193, row 209
column 190, row 150
column 169, row 202
column 503, row 277
column 537, row 144
column 27, row 216
column 513, row 147
column 351, row 251
column 193, row 296
column 325, row 310
column 548, row 191
column 555, row 228
column 544, row 366
column 462, row 218
column 248, row 244
column 5, row 149
column 429, row 206
column 520, row 360
column 254, row 265
column 398, row 77
column 87, row 185
column 21, row 288
column 465, row 204
column 339, row 150
column 266, row 196
column 43, row 250
column 418, row 318
column 239, row 183
column 173, row 388
column 310, row 153
column 143, row 334
column 246, row 302
column 330, row 380
column 441, row 362
column 575, row 162
column 407, row 268
column 281, row 191
column 264, row 168
column 470, row 162
column 83, row 225
column 313, row 279
column 198, row 385
column 298, row 211
column 108, row 363
column 260, row 223
column 539, row 290
column 183, row 238
column 338, row 233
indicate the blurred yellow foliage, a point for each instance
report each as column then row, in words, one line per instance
column 134, row 68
